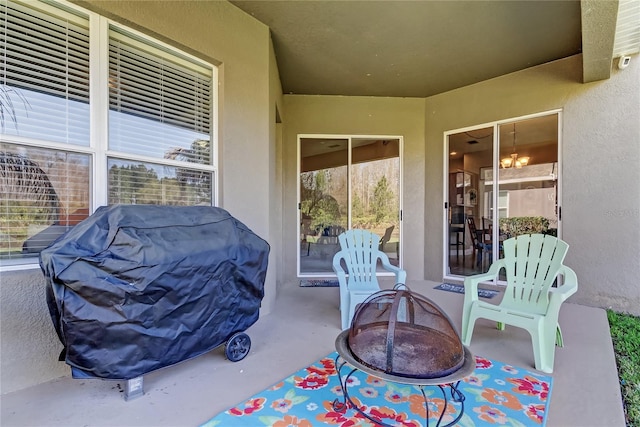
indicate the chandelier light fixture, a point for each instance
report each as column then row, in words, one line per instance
column 514, row 161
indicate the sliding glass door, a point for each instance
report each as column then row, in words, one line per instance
column 484, row 207
column 346, row 182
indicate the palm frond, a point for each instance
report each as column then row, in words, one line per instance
column 8, row 106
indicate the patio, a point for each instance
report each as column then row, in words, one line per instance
column 301, row 329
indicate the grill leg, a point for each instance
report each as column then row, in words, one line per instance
column 133, row 388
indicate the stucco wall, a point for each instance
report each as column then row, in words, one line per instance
column 29, row 346
column 602, row 168
column 600, row 158
column 600, row 155
column 218, row 32
column 340, row 115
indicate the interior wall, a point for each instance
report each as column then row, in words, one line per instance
column 600, row 154
column 218, row 32
column 339, row 115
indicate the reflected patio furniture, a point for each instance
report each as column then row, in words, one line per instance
column 46, row 235
column 386, row 237
column 532, row 263
column 359, row 255
column 330, row 235
column 305, row 232
column 324, row 245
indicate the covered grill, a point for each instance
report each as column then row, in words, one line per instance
column 135, row 288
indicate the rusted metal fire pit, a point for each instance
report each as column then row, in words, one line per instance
column 403, row 337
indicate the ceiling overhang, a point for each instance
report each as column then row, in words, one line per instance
column 420, row 48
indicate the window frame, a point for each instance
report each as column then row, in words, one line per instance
column 98, row 149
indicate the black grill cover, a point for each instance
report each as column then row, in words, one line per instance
column 132, row 289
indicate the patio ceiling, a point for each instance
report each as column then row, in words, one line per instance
column 422, row 48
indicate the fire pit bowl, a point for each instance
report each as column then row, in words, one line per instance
column 401, row 336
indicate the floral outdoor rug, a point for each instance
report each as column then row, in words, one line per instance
column 495, row 394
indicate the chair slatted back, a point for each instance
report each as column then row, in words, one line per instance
column 532, row 265
column 471, row 223
column 360, row 250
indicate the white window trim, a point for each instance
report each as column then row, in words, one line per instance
column 99, row 113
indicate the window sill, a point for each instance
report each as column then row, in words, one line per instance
column 18, row 265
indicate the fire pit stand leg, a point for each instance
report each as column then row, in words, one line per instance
column 346, row 403
column 456, row 396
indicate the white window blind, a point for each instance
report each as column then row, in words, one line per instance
column 160, row 103
column 44, row 74
column 159, row 108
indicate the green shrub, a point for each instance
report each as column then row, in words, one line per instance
column 625, row 335
column 518, row 225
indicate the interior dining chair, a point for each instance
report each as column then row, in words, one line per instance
column 482, row 241
column 487, row 244
column 457, row 230
column 356, row 267
column 477, row 239
column 532, row 264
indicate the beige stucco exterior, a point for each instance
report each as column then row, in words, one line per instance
column 600, row 155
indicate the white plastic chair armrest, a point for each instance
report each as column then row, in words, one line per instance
column 569, row 287
column 471, row 282
column 342, row 276
column 401, row 275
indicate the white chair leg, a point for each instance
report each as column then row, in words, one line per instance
column 352, row 309
column 468, row 324
column 344, row 320
column 344, row 315
column 537, row 351
column 546, row 353
column 543, row 349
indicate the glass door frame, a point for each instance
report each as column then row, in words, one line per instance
column 495, row 167
column 350, row 138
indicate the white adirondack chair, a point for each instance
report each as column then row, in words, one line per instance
column 359, row 254
column 531, row 262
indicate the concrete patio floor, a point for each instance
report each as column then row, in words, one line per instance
column 301, row 329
